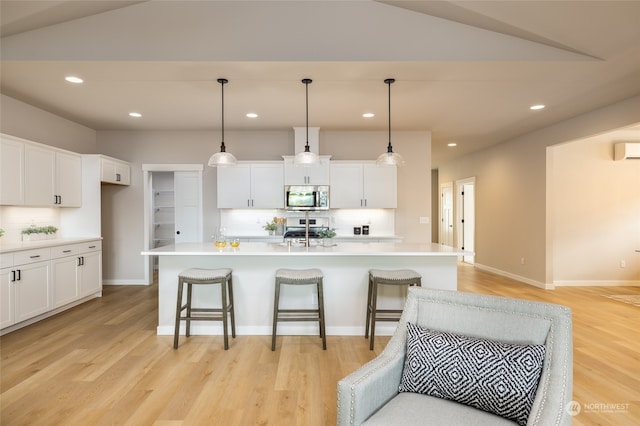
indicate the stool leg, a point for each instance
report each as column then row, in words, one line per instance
column 374, row 299
column 176, row 332
column 323, row 334
column 188, row 319
column 275, row 315
column 366, row 329
column 232, row 307
column 223, row 289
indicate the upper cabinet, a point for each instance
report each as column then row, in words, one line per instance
column 251, row 185
column 35, row 175
column 363, row 185
column 114, row 171
column 306, row 175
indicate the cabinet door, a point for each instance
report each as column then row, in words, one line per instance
column 114, row 172
column 380, row 186
column 267, row 186
column 7, row 314
column 68, row 179
column 39, row 176
column 11, row 172
column 306, row 175
column 63, row 280
column 188, row 207
column 32, row 290
column 90, row 273
column 234, row 187
column 346, row 186
column 123, row 174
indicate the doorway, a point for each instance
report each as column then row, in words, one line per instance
column 173, row 207
column 445, row 236
column 466, row 216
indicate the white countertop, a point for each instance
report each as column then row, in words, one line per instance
column 28, row 245
column 339, row 249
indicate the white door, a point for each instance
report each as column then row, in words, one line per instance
column 32, row 290
column 63, row 280
column 69, row 179
column 267, row 186
column 7, row 315
column 90, row 273
column 446, row 214
column 234, row 187
column 379, row 186
column 188, row 206
column 346, row 187
column 39, row 178
column 11, row 172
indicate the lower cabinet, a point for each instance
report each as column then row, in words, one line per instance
column 35, row 282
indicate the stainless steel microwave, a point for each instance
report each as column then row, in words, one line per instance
column 306, row 197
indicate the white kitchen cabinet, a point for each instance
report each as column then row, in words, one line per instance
column 76, row 271
column 11, row 172
column 7, row 311
column 251, row 185
column 114, row 171
column 357, row 185
column 36, row 175
column 63, row 278
column 90, row 273
column 31, row 281
column 306, row 175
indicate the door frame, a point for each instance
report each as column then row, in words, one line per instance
column 460, row 214
column 147, row 170
column 442, row 228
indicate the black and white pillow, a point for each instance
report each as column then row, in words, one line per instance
column 496, row 377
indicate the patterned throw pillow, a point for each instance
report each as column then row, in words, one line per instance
column 499, row 378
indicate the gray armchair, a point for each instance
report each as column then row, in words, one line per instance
column 370, row 394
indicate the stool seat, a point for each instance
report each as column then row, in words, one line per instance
column 311, row 276
column 404, row 277
column 395, row 275
column 204, row 274
column 201, row 276
column 299, row 274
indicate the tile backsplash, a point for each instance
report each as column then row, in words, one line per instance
column 14, row 219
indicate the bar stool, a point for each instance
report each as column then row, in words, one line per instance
column 205, row 277
column 377, row 277
column 299, row 277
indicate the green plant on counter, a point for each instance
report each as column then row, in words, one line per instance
column 270, row 226
column 1, row 232
column 40, row 230
column 327, row 233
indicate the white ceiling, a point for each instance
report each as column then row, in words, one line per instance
column 467, row 71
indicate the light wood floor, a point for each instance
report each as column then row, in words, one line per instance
column 101, row 363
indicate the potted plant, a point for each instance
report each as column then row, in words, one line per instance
column 270, row 227
column 35, row 233
column 1, row 232
column 327, row 234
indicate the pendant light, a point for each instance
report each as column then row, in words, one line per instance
column 222, row 158
column 306, row 157
column 390, row 158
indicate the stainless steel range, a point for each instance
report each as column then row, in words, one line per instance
column 296, row 227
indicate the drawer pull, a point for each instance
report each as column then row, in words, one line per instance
column 35, row 256
column 66, row 251
column 92, row 246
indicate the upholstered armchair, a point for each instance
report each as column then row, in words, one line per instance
column 371, row 395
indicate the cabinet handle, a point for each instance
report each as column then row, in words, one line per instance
column 34, row 257
column 19, row 275
column 13, row 276
column 117, row 177
column 178, row 232
column 66, row 251
column 80, row 260
column 92, row 246
column 365, row 202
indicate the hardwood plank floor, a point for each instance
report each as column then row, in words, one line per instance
column 101, row 363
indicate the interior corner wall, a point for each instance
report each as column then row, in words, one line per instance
column 28, row 122
column 511, row 181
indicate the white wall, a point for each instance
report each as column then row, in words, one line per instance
column 514, row 215
column 596, row 220
column 169, row 147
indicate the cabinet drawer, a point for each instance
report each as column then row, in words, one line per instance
column 6, row 260
column 74, row 249
column 31, row 256
column 90, row 246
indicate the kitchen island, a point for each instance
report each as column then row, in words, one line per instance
column 345, row 267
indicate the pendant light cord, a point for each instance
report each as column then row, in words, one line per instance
column 222, row 82
column 389, row 81
column 306, row 82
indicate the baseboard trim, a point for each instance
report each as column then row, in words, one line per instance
column 124, row 282
column 515, row 277
column 597, row 283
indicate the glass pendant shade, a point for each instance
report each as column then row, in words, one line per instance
column 390, row 158
column 306, row 157
column 222, row 158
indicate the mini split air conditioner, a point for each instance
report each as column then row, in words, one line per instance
column 626, row 150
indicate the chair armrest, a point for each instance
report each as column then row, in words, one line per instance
column 367, row 389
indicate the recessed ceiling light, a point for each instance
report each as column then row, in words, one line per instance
column 252, row 115
column 74, row 79
column 135, row 114
column 452, row 144
column 368, row 115
column 536, row 107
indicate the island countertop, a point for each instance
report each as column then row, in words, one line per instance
column 280, row 249
column 345, row 267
